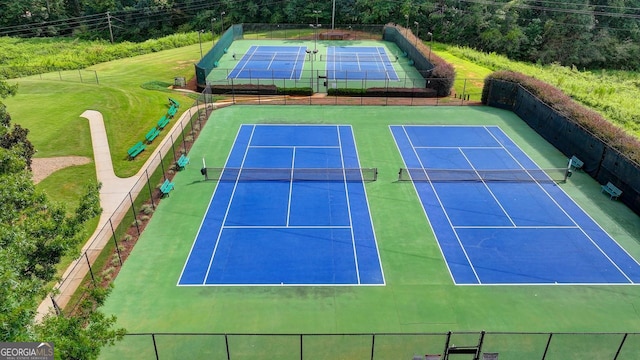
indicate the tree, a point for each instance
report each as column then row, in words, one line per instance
column 34, row 234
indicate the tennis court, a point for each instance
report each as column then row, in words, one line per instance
column 270, row 62
column 359, row 63
column 289, row 209
column 516, row 228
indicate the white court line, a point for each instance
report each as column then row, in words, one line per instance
column 226, row 213
column 488, row 189
column 444, row 210
column 346, row 192
column 293, row 164
column 564, row 211
column 204, row 217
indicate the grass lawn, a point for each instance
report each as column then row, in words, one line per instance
column 51, row 110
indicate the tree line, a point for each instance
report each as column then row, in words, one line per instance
column 583, row 33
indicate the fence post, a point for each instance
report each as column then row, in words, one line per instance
column 55, row 306
column 546, row 348
column 96, row 75
column 135, row 217
column 184, row 141
column 226, row 344
column 153, row 205
column 464, row 89
column 162, row 166
column 80, row 74
column 173, row 147
column 155, row 347
column 93, row 279
column 301, row 356
column 624, row 338
column 115, row 241
column 373, row 344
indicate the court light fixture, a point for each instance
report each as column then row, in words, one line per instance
column 213, row 32
column 200, row 32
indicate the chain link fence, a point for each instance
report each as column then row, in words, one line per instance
column 416, row 346
column 104, row 254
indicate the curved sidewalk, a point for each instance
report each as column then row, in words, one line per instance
column 113, row 193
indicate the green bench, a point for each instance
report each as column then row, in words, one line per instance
column 136, row 149
column 172, row 111
column 576, row 163
column 182, row 162
column 611, row 190
column 174, row 102
column 164, row 120
column 166, row 188
column 152, row 134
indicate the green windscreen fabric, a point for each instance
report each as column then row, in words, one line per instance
column 209, row 60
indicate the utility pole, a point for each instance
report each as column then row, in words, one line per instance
column 110, row 28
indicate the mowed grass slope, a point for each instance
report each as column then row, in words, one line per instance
column 51, row 109
column 419, row 295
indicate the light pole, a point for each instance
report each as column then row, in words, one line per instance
column 312, row 54
column 200, row 41
column 315, row 36
column 333, row 15
column 317, row 13
column 213, row 32
column 417, row 29
column 222, row 14
column 430, row 43
column 406, row 16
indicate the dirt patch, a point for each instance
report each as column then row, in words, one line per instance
column 43, row 167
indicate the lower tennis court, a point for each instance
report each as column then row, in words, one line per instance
column 499, row 218
column 289, row 208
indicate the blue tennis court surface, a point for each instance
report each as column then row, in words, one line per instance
column 270, row 62
column 359, row 63
column 266, row 232
column 506, row 232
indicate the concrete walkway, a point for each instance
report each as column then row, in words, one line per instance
column 113, row 193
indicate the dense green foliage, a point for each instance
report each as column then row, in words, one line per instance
column 36, row 56
column 585, row 33
column 35, row 234
column 613, row 94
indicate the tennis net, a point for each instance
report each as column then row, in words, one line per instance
column 271, row 57
column 287, row 174
column 493, row 175
column 357, row 58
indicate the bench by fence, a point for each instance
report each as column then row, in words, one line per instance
column 166, row 188
column 152, row 134
column 576, row 163
column 182, row 162
column 612, row 190
column 136, row 149
column 164, row 120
